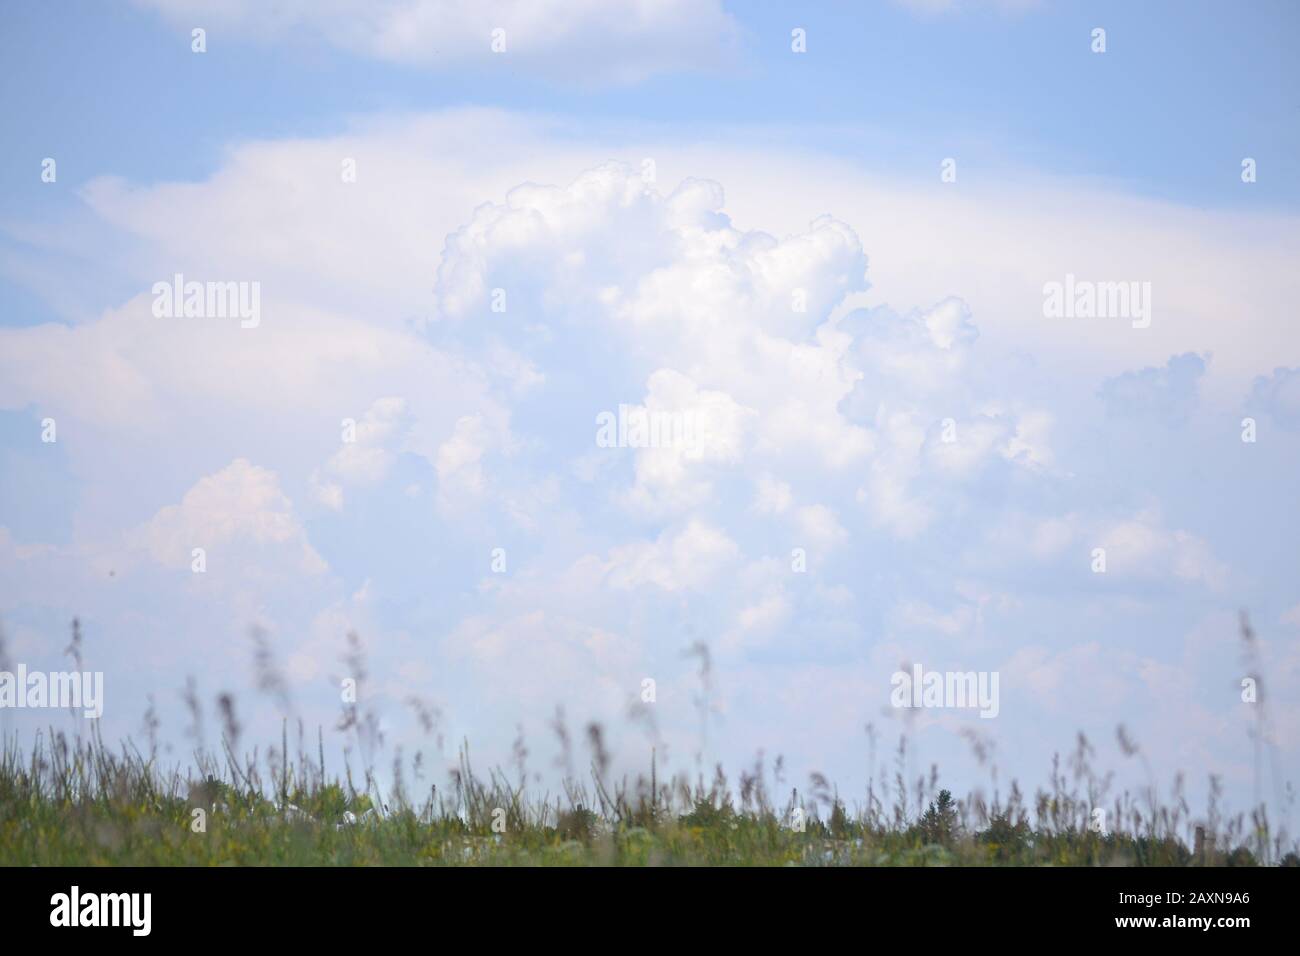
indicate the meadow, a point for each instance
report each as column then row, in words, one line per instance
column 73, row 800
column 80, row 802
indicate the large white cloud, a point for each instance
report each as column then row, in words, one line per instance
column 826, row 395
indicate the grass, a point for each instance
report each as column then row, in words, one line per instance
column 74, row 800
column 79, row 802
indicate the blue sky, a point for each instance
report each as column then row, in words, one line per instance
column 775, row 171
column 1182, row 88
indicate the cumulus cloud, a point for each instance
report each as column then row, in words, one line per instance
column 1166, row 395
column 709, row 315
column 366, row 453
column 819, row 525
column 772, row 496
column 238, row 506
column 707, row 427
column 945, row 433
column 1140, row 547
column 828, row 402
column 1278, row 395
column 686, row 559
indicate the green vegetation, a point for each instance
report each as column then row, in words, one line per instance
column 76, row 802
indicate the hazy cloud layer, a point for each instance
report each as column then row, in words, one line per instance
column 910, row 466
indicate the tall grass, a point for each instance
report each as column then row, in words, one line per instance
column 79, row 801
column 75, row 800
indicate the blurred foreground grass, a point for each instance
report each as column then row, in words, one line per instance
column 73, row 800
column 78, row 802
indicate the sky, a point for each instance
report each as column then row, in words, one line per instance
column 835, row 261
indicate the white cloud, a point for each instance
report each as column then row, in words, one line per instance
column 617, row 285
column 949, row 324
column 712, row 428
column 918, row 614
column 619, row 40
column 532, row 661
column 1140, row 547
column 1279, row 395
column 688, row 559
column 365, row 454
column 975, row 442
column 366, row 458
column 819, row 526
column 773, row 496
column 239, row 505
column 460, row 461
